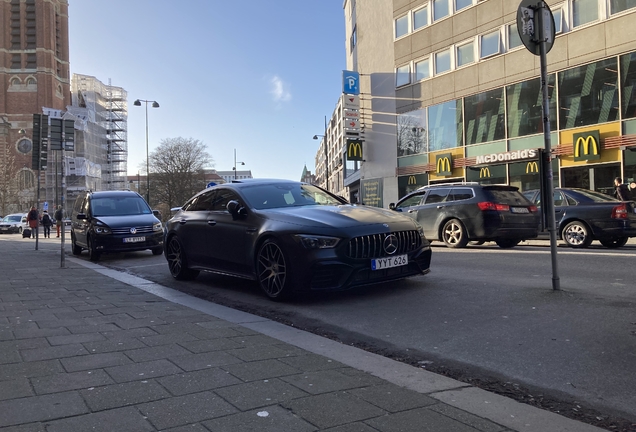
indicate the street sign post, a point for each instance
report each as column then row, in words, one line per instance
column 535, row 25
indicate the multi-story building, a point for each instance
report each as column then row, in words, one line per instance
column 34, row 75
column 468, row 99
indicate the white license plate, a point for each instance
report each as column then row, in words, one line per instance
column 134, row 239
column 384, row 263
column 519, row 210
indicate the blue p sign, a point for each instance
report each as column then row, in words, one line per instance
column 350, row 82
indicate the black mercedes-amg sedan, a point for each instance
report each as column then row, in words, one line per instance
column 292, row 237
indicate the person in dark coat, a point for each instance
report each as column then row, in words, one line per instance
column 33, row 219
column 47, row 223
column 620, row 190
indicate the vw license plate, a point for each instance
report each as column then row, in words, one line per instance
column 519, row 210
column 384, row 263
column 134, row 239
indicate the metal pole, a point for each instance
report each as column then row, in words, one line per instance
column 234, row 164
column 37, row 205
column 147, row 160
column 548, row 149
column 63, row 226
column 326, row 156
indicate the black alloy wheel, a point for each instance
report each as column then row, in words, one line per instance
column 507, row 243
column 93, row 255
column 177, row 261
column 577, row 235
column 271, row 271
column 454, row 234
column 615, row 242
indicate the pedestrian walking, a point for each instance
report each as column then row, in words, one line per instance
column 47, row 223
column 621, row 192
column 59, row 219
column 33, row 219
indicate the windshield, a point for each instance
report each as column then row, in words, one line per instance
column 119, row 206
column 287, row 195
column 12, row 218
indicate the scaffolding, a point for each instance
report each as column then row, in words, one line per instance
column 105, row 108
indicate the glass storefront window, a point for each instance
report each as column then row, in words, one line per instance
column 492, row 174
column 588, row 94
column 445, row 125
column 525, row 107
column 584, row 11
column 484, row 117
column 617, row 6
column 628, row 84
column 411, row 133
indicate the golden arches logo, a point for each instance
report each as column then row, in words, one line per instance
column 443, row 165
column 587, row 146
column 532, row 167
column 354, row 150
column 484, row 172
column 412, row 180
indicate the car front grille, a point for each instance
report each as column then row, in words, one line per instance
column 126, row 230
column 372, row 246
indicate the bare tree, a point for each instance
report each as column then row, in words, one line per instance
column 411, row 135
column 177, row 170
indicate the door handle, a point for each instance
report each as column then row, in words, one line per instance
column 211, row 222
column 182, row 222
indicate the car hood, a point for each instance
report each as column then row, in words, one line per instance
column 343, row 216
column 126, row 221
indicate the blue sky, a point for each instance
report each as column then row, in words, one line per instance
column 258, row 78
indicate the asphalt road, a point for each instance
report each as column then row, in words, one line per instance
column 483, row 313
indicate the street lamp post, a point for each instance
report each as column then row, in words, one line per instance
column 235, row 162
column 324, row 137
column 155, row 104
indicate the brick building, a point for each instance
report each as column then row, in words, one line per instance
column 34, row 75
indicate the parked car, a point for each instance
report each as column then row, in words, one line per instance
column 292, row 237
column 458, row 213
column 114, row 221
column 13, row 223
column 583, row 215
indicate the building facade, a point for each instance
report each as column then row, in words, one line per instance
column 468, row 101
column 34, row 76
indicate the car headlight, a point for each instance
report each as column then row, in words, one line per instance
column 102, row 230
column 316, row 241
column 157, row 227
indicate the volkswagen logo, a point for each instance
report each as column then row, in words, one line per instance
column 133, row 230
column 390, row 244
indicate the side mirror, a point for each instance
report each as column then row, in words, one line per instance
column 236, row 209
column 392, row 206
column 157, row 214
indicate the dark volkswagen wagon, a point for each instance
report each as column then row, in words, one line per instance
column 114, row 221
column 461, row 212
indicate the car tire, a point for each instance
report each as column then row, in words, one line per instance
column 93, row 255
column 75, row 249
column 157, row 250
column 477, row 242
column 454, row 234
column 576, row 235
column 178, row 262
column 507, row 243
column 272, row 271
column 615, row 243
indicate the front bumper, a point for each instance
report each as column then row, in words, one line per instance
column 115, row 243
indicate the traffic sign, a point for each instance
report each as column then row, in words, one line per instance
column 352, row 124
column 350, row 82
column 535, row 24
column 351, row 102
column 355, row 115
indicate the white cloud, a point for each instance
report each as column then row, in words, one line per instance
column 279, row 90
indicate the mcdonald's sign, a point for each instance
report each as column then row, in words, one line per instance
column 532, row 167
column 484, row 172
column 354, row 149
column 444, row 165
column 412, row 180
column 587, row 146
